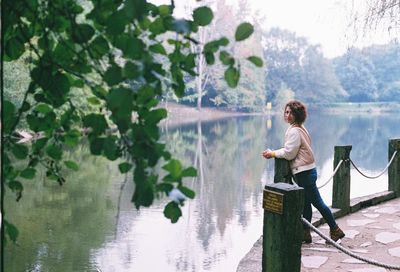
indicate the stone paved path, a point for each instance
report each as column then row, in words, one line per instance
column 372, row 233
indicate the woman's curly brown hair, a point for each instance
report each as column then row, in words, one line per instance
column 299, row 111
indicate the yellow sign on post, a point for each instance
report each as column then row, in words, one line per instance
column 273, row 201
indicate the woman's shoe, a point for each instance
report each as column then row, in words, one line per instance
column 307, row 236
column 336, row 234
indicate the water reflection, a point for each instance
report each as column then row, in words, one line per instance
column 90, row 224
column 59, row 226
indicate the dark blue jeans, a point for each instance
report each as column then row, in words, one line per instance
column 307, row 180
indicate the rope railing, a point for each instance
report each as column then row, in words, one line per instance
column 381, row 173
column 347, row 251
column 334, row 173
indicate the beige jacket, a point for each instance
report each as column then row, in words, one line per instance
column 297, row 149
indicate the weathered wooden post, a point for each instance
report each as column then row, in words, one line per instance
column 282, row 171
column 394, row 168
column 283, row 229
column 341, row 181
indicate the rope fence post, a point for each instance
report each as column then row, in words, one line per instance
column 341, row 181
column 282, row 229
column 394, row 167
column 282, row 171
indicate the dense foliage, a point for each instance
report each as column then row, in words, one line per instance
column 371, row 74
column 296, row 65
column 97, row 69
column 296, row 68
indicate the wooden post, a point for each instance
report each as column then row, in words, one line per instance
column 283, row 229
column 341, row 181
column 282, row 171
column 394, row 168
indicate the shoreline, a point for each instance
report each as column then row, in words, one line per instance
column 180, row 114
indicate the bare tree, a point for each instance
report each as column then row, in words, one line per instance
column 379, row 15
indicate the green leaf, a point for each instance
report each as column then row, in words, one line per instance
column 243, row 31
column 11, row 231
column 164, row 10
column 189, row 172
column 15, row 185
column 14, row 48
column 203, row 16
column 72, row 165
column 110, row 148
column 172, row 212
column 120, row 102
column 187, row 192
column 61, row 24
column 158, row 48
column 155, row 116
column 226, row 58
column 99, row 92
column 54, row 152
column 96, row 122
column 211, row 47
column 20, row 151
column 99, row 46
column 82, row 33
column 210, row 59
column 116, row 23
column 17, row 188
column 124, row 167
column 39, row 144
column 25, row 106
column 28, row 173
column 96, row 146
column 131, row 46
column 63, row 52
column 134, row 9
column 43, row 108
column 71, row 138
column 113, row 75
column 93, row 100
column 232, row 76
column 60, row 88
column 222, row 41
column 157, row 26
column 131, row 70
column 9, row 115
column 256, row 61
column 145, row 187
column 174, row 167
column 55, row 86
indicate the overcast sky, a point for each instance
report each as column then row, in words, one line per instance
column 324, row 22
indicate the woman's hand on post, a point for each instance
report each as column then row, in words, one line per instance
column 268, row 154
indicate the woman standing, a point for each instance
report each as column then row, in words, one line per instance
column 298, row 151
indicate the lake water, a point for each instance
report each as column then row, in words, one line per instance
column 89, row 223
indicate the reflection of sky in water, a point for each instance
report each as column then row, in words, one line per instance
column 359, row 185
column 210, row 238
column 151, row 243
column 218, row 227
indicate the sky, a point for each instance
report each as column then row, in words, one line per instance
column 324, row 22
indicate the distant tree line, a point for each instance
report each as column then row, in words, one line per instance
column 370, row 74
column 296, row 68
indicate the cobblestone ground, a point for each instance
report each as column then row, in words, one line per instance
column 373, row 233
